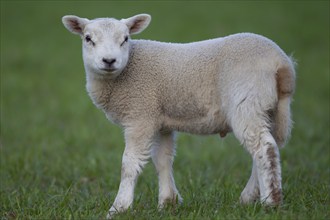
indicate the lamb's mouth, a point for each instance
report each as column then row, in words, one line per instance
column 109, row 70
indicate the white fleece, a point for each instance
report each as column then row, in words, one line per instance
column 241, row 83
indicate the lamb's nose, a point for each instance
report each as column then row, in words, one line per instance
column 109, row 61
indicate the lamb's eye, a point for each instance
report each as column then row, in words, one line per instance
column 125, row 40
column 88, row 38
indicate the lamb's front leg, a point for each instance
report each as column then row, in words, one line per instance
column 163, row 153
column 136, row 154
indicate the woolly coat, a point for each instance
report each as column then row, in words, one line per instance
column 195, row 87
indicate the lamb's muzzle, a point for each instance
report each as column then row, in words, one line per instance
column 109, row 64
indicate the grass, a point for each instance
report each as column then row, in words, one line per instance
column 60, row 157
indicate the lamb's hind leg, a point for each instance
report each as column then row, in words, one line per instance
column 251, row 191
column 256, row 137
column 269, row 170
column 162, row 154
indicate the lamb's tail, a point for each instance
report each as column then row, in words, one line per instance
column 285, row 79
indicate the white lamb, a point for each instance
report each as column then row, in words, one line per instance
column 241, row 83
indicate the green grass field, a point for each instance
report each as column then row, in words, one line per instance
column 60, row 157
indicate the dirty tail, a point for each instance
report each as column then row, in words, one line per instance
column 285, row 79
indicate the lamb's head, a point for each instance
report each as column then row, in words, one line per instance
column 106, row 41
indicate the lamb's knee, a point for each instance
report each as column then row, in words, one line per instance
column 131, row 167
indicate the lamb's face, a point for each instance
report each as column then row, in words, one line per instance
column 106, row 41
column 105, row 46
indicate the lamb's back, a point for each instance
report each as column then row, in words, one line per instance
column 186, row 81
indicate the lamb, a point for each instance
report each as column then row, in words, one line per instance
column 242, row 83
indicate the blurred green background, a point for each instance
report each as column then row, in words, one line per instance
column 60, row 157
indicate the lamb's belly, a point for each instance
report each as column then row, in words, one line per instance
column 202, row 127
column 211, row 123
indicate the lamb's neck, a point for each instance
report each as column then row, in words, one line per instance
column 99, row 90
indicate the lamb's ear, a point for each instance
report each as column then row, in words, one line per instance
column 137, row 23
column 74, row 24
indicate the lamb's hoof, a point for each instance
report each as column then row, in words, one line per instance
column 112, row 212
column 273, row 199
column 246, row 199
column 172, row 201
column 109, row 215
